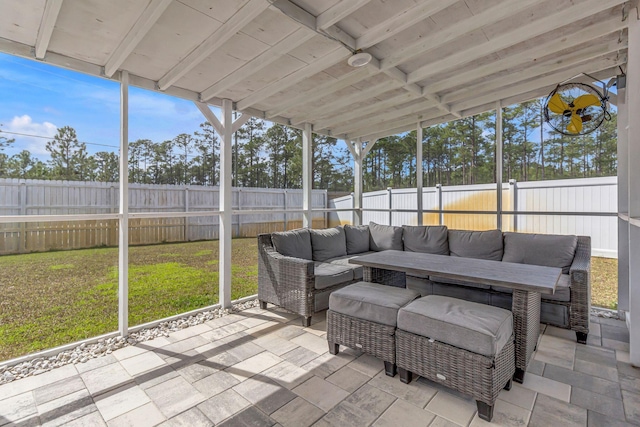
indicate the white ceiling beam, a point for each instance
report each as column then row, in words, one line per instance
column 571, row 14
column 47, row 23
column 237, row 22
column 251, row 67
column 331, row 107
column 237, row 124
column 401, row 22
column 323, row 90
column 413, row 110
column 557, row 44
column 339, row 118
column 538, row 69
column 539, row 92
column 369, row 146
column 147, row 19
column 590, row 66
column 431, row 42
column 435, row 119
column 382, row 129
column 211, row 118
column 351, row 148
column 335, row 56
column 338, row 12
column 305, row 18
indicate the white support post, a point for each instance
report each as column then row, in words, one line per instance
column 123, row 247
column 439, row 202
column 357, row 184
column 513, row 197
column 307, row 175
column 499, row 166
column 226, row 226
column 623, row 202
column 419, row 172
column 633, row 135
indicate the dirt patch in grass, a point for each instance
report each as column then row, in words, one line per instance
column 50, row 299
column 604, row 282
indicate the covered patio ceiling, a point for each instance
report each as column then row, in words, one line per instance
column 286, row 60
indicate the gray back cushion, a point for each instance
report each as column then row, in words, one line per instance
column 294, row 243
column 328, row 243
column 427, row 239
column 357, row 238
column 550, row 250
column 476, row 244
column 384, row 237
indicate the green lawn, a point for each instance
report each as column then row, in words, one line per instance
column 50, row 299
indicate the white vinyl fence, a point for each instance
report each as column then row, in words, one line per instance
column 573, row 206
column 36, row 197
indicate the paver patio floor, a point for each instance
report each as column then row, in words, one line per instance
column 260, row 367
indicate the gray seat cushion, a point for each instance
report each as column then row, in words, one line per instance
column 478, row 328
column 476, row 244
column 294, row 243
column 344, row 261
column 550, row 250
column 371, row 301
column 357, row 238
column 385, row 237
column 427, row 239
column 328, row 275
column 562, row 293
column 328, row 243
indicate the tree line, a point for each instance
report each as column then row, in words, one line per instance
column 270, row 156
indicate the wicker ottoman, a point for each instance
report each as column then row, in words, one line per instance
column 463, row 345
column 363, row 316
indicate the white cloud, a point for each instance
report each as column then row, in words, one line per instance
column 31, row 131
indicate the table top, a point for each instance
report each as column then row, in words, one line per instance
column 525, row 277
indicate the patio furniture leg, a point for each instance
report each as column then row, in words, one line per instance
column 581, row 337
column 306, row 321
column 508, row 385
column 263, row 305
column 485, row 411
column 390, row 369
column 526, row 328
column 405, row 376
column 334, row 348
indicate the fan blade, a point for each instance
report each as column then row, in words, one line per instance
column 576, row 124
column 557, row 105
column 584, row 101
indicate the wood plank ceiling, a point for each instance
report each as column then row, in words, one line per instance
column 286, row 60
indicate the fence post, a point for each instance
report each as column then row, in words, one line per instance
column 239, row 217
column 22, row 239
column 513, row 196
column 285, row 209
column 353, row 210
column 439, row 201
column 390, row 204
column 186, row 218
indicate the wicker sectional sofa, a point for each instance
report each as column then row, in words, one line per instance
column 298, row 269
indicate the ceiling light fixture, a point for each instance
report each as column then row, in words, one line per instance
column 359, row 59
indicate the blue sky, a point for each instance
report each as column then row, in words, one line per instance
column 38, row 98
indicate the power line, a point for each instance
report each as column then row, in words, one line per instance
column 49, row 137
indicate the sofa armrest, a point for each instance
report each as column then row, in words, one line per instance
column 580, row 272
column 283, row 280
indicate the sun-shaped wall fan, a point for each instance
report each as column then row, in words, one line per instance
column 576, row 108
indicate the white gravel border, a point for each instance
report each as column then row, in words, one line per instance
column 103, row 346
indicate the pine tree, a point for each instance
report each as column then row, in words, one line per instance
column 68, row 155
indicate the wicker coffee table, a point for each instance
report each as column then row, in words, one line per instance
column 527, row 281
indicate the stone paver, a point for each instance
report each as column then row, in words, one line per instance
column 223, row 405
column 174, row 396
column 120, row 401
column 264, row 368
